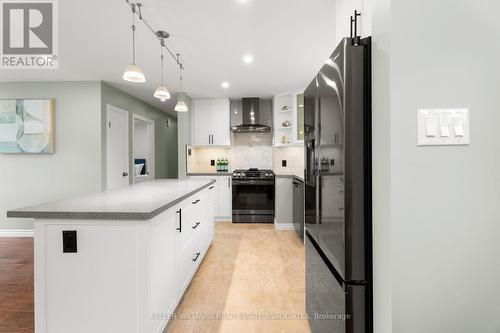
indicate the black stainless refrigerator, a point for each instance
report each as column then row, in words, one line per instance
column 338, row 203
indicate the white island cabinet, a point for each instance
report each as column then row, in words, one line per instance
column 137, row 249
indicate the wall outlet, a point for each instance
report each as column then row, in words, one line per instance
column 212, row 162
column 69, row 241
column 283, row 163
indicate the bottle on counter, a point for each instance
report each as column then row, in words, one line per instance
column 227, row 165
column 218, row 164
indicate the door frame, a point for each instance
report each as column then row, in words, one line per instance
column 113, row 108
column 152, row 140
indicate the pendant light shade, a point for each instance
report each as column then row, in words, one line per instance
column 133, row 73
column 162, row 93
column 181, row 106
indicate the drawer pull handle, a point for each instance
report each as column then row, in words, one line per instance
column 180, row 220
column 211, row 187
column 196, row 201
column 197, row 255
column 196, row 225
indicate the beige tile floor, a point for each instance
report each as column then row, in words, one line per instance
column 251, row 273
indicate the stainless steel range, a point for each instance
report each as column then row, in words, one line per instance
column 253, row 196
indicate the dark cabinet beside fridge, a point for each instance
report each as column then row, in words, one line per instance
column 298, row 207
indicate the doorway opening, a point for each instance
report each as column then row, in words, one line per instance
column 143, row 148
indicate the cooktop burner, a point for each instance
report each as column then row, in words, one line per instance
column 253, row 173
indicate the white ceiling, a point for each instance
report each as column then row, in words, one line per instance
column 289, row 40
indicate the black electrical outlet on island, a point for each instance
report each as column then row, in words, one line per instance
column 69, row 241
column 283, row 163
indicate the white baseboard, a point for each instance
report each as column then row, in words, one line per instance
column 16, row 232
column 283, row 226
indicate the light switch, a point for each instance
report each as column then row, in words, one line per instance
column 430, row 126
column 459, row 126
column 442, row 127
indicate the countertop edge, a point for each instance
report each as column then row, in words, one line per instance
column 210, row 174
column 290, row 176
column 142, row 216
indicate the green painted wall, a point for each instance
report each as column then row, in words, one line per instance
column 166, row 156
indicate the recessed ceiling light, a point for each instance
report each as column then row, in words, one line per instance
column 225, row 85
column 247, row 59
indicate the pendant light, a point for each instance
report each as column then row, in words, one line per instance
column 181, row 105
column 162, row 92
column 133, row 73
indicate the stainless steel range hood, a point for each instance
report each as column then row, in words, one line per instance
column 251, row 118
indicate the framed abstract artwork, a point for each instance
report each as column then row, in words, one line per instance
column 27, row 126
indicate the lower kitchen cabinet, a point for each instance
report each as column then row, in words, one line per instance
column 225, row 197
column 222, row 196
column 283, row 210
column 127, row 276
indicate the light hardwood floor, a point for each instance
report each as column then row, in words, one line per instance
column 250, row 270
column 251, row 274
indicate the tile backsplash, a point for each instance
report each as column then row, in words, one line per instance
column 244, row 156
column 294, row 160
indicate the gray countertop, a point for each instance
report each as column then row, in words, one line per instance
column 141, row 201
column 290, row 176
column 220, row 173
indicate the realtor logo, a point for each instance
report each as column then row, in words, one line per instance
column 29, row 34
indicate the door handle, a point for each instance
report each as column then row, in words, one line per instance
column 197, row 255
column 125, row 174
column 180, row 220
column 195, row 202
column 196, row 225
column 211, row 187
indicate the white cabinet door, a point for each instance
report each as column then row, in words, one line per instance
column 202, row 109
column 225, row 197
column 162, row 261
column 220, row 122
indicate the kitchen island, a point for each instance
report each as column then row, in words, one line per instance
column 118, row 261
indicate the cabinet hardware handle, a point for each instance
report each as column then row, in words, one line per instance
column 195, row 202
column 211, row 187
column 125, row 174
column 180, row 220
column 197, row 255
column 196, row 225
column 228, row 181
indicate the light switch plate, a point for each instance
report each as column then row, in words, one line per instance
column 443, row 127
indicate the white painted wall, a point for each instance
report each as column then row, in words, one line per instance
column 445, row 201
column 381, row 164
column 74, row 169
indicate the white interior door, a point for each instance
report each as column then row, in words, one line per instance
column 117, row 150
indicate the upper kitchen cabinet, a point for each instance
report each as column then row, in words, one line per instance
column 210, row 122
column 289, row 119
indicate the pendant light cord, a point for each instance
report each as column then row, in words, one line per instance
column 138, row 12
column 162, row 76
column 133, row 34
